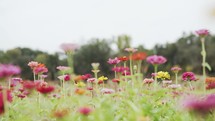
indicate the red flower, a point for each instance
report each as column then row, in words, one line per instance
column 29, row 85
column 44, row 88
column 9, row 98
column 139, row 56
column 116, row 80
column 210, row 86
column 123, row 58
column 85, row 110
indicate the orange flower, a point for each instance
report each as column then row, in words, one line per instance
column 60, row 113
column 78, row 78
column 210, row 80
column 139, row 56
column 79, row 91
column 123, row 58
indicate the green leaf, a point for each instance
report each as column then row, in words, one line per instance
column 208, row 66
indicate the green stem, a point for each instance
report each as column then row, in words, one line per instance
column 155, row 70
column 131, row 67
column 176, row 78
column 191, row 87
column 70, row 61
column 203, row 61
column 115, row 71
column 34, row 77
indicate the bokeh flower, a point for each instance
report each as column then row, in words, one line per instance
column 63, row 68
column 155, row 59
column 202, row 32
column 131, row 50
column 188, row 76
column 44, row 88
column 148, row 80
column 139, row 56
column 175, row 69
column 7, row 70
column 69, row 47
column 163, row 75
column 107, row 91
column 113, row 61
column 85, row 111
column 123, row 58
column 9, row 99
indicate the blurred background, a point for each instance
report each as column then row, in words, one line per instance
column 33, row 30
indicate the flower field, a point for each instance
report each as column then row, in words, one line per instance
column 173, row 95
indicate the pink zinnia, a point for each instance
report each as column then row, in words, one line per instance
column 44, row 88
column 91, row 80
column 188, row 76
column 63, row 68
column 64, row 77
column 40, row 70
column 120, row 69
column 202, row 32
column 175, row 69
column 107, row 91
column 68, row 47
column 33, row 64
column 7, row 70
column 155, row 59
column 148, row 80
column 85, row 111
column 113, row 61
column 86, row 76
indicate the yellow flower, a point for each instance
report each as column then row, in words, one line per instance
column 80, row 84
column 163, row 75
column 102, row 78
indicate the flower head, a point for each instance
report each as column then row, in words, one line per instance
column 85, row 111
column 131, row 50
column 175, row 69
column 64, row 77
column 28, row 85
column 91, row 80
column 107, row 91
column 139, row 56
column 79, row 91
column 188, row 76
column 174, row 86
column 102, row 78
column 113, row 61
column 163, row 75
column 63, row 68
column 7, row 70
column 123, row 58
column 155, row 59
column 33, row 64
column 202, row 32
column 120, row 69
column 116, row 80
column 86, row 76
column 80, row 84
column 95, row 66
column 44, row 88
column 68, row 47
column 148, row 80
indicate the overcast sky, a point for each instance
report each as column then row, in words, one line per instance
column 45, row 24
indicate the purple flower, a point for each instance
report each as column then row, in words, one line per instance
column 201, row 105
column 113, row 61
column 188, row 76
column 7, row 70
column 155, row 59
column 68, row 47
column 202, row 32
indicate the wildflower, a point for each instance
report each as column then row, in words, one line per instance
column 9, row 99
column 64, row 77
column 85, row 111
column 68, row 47
column 95, row 66
column 28, row 85
column 60, row 113
column 102, row 78
column 63, row 68
column 148, row 80
column 33, row 64
column 7, row 70
column 155, row 59
column 209, row 80
column 201, row 105
column 123, row 58
column 210, row 86
column 91, row 80
column 116, row 80
column 139, row 56
column 107, row 91
column 79, row 91
column 175, row 69
column 40, row 69
column 188, row 76
column 80, row 84
column 163, row 75
column 86, row 76
column 131, row 50
column 113, row 61
column 202, row 32
column 44, row 88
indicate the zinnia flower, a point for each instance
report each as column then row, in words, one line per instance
column 68, row 47
column 44, row 88
column 210, row 86
column 202, row 32
column 174, row 86
column 7, row 70
column 9, row 98
column 91, row 80
column 28, row 85
column 63, row 68
column 188, row 76
column 123, row 58
column 175, row 69
column 163, row 75
column 85, row 111
column 64, row 77
column 95, row 66
column 107, row 91
column 148, row 80
column 33, row 64
column 155, row 59
column 131, row 50
column 113, row 61
column 139, row 56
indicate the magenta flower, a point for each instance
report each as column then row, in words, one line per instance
column 68, row 47
column 65, row 77
column 202, row 32
column 85, row 111
column 7, row 70
column 91, row 80
column 188, row 76
column 156, row 60
column 120, row 69
column 113, row 61
column 33, row 64
column 40, row 70
column 86, row 76
column 201, row 105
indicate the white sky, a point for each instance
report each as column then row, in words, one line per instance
column 45, row 24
